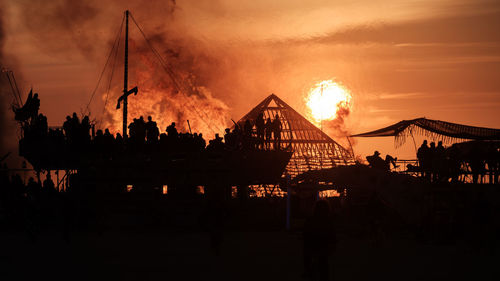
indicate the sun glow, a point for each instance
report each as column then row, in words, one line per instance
column 325, row 99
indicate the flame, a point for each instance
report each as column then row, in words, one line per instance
column 326, row 99
column 182, row 93
column 206, row 114
column 160, row 100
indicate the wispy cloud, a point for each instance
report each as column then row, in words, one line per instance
column 400, row 96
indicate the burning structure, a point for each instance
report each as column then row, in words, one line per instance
column 312, row 148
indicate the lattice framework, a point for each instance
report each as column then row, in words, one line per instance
column 313, row 149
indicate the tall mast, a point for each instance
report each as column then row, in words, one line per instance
column 125, row 78
column 126, row 91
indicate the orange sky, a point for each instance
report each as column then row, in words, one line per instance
column 400, row 59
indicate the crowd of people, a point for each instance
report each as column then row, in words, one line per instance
column 78, row 137
column 266, row 135
column 432, row 160
column 437, row 163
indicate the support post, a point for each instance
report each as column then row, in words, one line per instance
column 288, row 202
column 125, row 78
column 288, row 207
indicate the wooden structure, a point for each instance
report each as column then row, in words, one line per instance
column 312, row 148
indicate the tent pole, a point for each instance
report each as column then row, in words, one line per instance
column 414, row 143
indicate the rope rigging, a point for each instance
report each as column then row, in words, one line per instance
column 112, row 71
column 13, row 85
column 180, row 87
column 115, row 44
column 172, row 76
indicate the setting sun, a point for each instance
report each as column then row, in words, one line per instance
column 325, row 98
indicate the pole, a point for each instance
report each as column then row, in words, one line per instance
column 288, row 202
column 125, row 78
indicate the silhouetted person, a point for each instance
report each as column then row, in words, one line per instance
column 119, row 139
column 423, row 159
column 141, row 130
column 376, row 162
column 85, row 129
column 48, row 184
column 390, row 160
column 268, row 131
column 118, row 145
column 229, row 139
column 201, row 143
column 75, row 122
column 172, row 131
column 67, row 127
column 276, row 129
column 260, row 128
column 247, row 128
column 320, row 241
column 216, row 144
column 34, row 105
column 440, row 161
column 152, row 131
column 132, row 131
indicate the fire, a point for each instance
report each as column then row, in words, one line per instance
column 157, row 98
column 189, row 96
column 325, row 99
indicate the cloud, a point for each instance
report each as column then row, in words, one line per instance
column 401, row 95
column 458, row 28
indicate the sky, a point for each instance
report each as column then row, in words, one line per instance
column 399, row 59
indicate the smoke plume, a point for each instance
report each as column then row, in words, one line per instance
column 337, row 127
column 64, row 26
column 7, row 128
column 174, row 87
column 215, row 78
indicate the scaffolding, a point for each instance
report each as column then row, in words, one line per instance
column 312, row 148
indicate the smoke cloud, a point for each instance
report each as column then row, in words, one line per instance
column 7, row 123
column 87, row 27
column 220, row 78
column 337, row 127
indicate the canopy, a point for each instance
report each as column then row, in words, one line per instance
column 435, row 129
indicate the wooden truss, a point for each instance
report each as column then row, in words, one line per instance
column 313, row 149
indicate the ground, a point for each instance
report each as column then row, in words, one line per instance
column 270, row 255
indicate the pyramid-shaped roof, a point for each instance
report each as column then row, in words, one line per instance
column 313, row 149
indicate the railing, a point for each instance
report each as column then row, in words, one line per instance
column 402, row 166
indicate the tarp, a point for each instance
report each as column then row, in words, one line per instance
column 433, row 128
